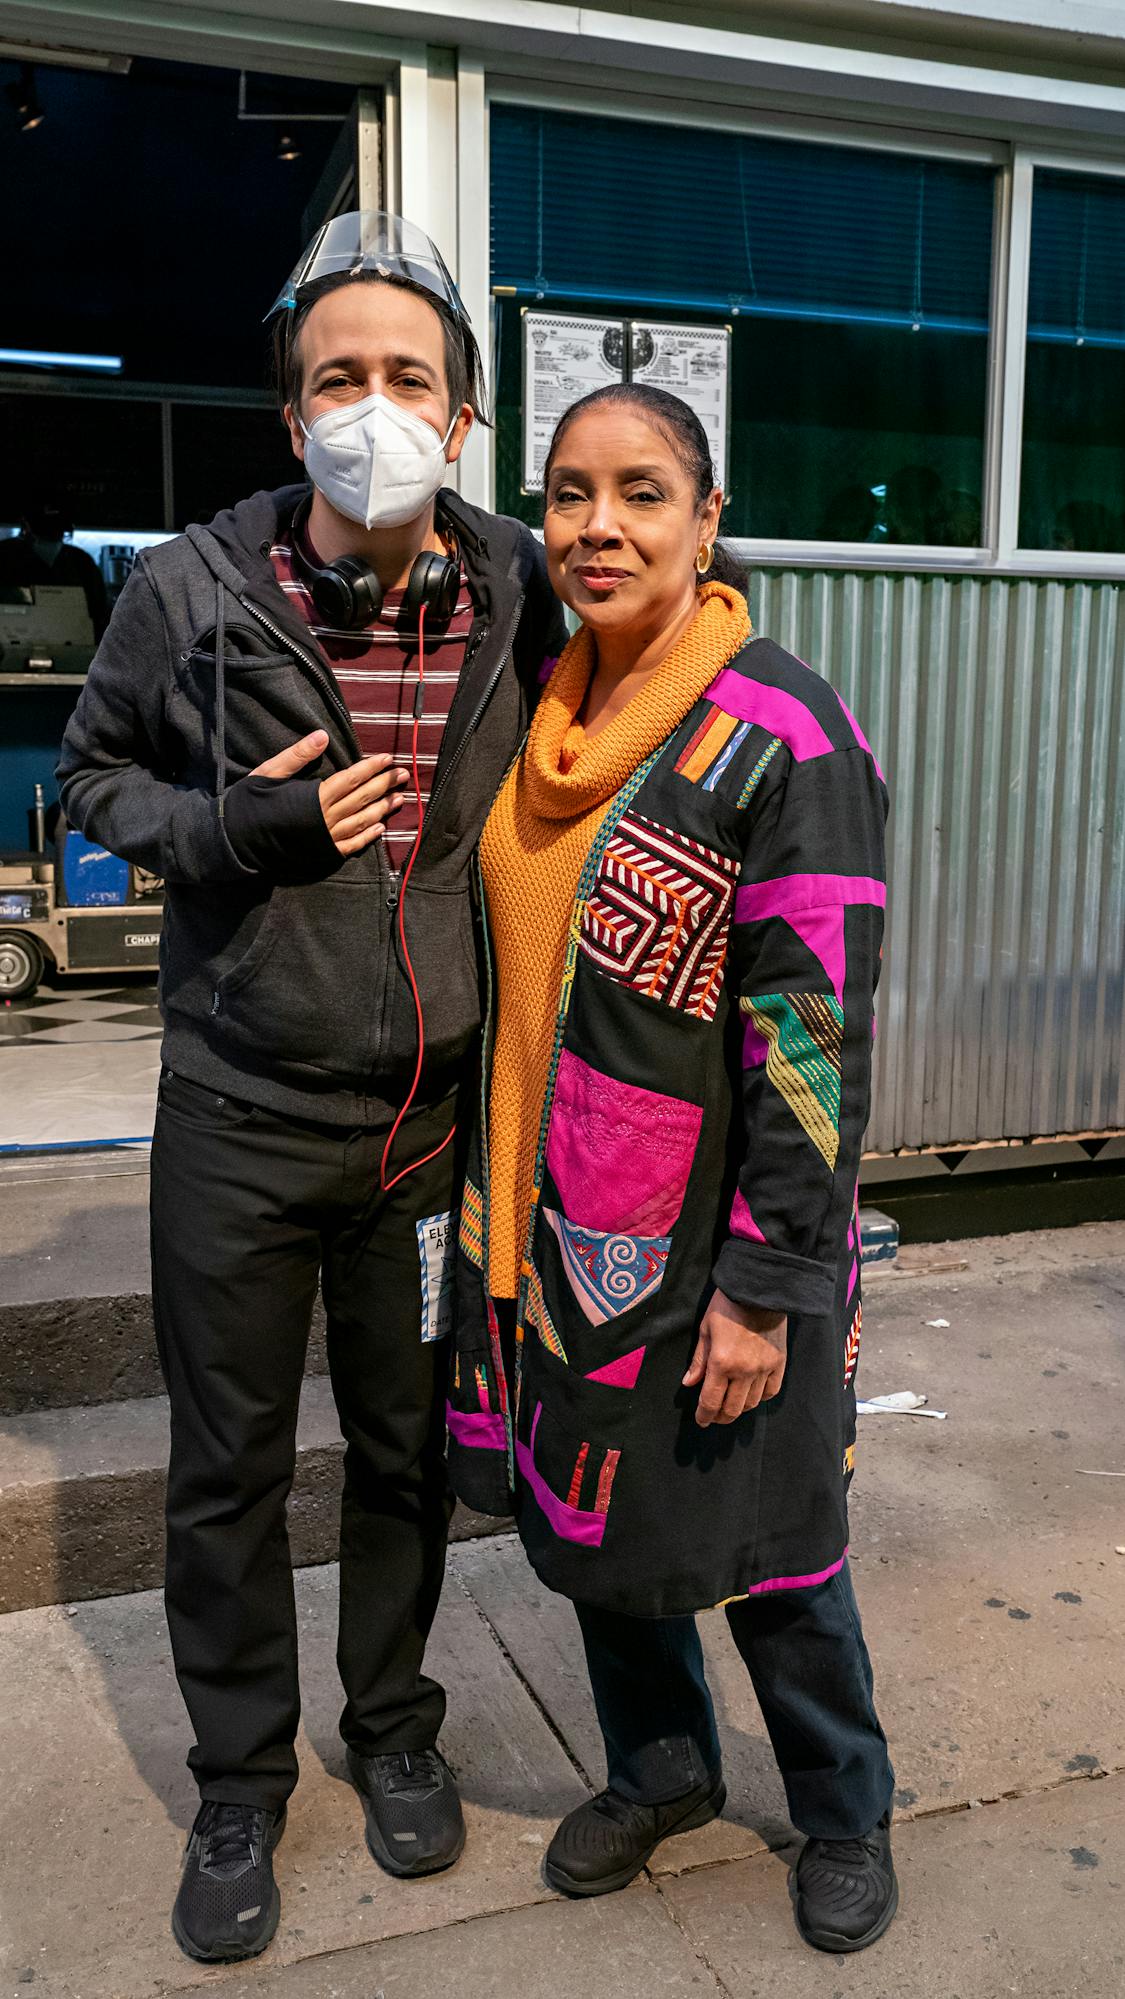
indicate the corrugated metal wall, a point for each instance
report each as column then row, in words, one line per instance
column 996, row 708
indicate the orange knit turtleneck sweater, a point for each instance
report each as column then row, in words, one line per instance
column 532, row 853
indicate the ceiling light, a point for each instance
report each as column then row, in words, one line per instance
column 43, row 357
column 287, row 148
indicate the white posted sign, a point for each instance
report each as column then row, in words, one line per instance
column 566, row 357
column 692, row 362
column 563, row 360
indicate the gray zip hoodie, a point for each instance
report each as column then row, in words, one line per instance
column 282, row 982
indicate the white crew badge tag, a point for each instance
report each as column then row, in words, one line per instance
column 437, row 1243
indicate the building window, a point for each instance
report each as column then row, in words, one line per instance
column 856, row 284
column 1073, row 472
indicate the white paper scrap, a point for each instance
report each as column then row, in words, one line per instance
column 903, row 1403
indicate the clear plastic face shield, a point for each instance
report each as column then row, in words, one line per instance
column 368, row 242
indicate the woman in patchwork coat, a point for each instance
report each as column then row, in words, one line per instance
column 658, row 1304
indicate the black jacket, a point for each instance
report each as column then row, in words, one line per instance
column 286, row 991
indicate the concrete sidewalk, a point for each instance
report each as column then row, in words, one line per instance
column 995, row 1608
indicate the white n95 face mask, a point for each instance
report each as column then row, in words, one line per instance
column 374, row 462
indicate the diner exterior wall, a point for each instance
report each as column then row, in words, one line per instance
column 996, row 708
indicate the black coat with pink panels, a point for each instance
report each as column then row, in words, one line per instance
column 707, row 1095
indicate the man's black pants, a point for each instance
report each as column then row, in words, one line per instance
column 248, row 1210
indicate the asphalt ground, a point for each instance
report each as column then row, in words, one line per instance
column 985, row 1556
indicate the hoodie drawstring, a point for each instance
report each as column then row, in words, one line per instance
column 220, row 695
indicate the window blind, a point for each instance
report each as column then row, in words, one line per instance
column 1077, row 278
column 646, row 215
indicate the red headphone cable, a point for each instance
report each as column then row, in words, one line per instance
column 419, row 698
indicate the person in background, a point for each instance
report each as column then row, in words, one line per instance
column 658, row 1271
column 277, row 702
column 42, row 552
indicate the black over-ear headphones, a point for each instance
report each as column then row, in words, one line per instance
column 348, row 594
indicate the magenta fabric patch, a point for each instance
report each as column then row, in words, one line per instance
column 773, row 709
column 571, row 1523
column 855, row 1246
column 620, row 1156
column 789, row 892
column 798, row 1582
column 546, row 670
column 742, row 1221
column 813, row 906
column 475, row 1430
column 620, row 1373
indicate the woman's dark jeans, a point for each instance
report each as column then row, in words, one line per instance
column 805, row 1653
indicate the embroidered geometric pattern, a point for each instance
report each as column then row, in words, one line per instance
column 575, row 1493
column 697, row 756
column 723, row 761
column 605, row 1481
column 710, row 750
column 608, row 1274
column 657, row 917
column 606, row 1477
column 758, row 772
column 470, row 1239
column 851, row 1345
column 497, row 1352
column 805, row 1033
column 538, row 1316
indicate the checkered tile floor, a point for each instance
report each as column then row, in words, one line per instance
column 87, row 1013
column 79, row 1063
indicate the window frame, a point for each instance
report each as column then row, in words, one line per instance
column 1037, row 561
column 1015, row 162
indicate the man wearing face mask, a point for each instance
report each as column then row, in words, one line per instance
column 298, row 717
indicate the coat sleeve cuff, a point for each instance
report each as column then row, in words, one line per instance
column 753, row 1274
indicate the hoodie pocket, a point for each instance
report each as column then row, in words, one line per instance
column 309, row 989
column 441, row 937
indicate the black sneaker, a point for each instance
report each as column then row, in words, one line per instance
column 605, row 1843
column 847, row 1892
column 414, row 1819
column 228, row 1904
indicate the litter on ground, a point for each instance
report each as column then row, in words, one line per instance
column 903, row 1402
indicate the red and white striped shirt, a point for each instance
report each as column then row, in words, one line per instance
column 377, row 671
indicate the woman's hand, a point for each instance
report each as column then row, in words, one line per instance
column 739, row 1358
column 355, row 802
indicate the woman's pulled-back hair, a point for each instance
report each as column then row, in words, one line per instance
column 464, row 371
column 681, row 428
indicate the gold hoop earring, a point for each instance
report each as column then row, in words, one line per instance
column 705, row 558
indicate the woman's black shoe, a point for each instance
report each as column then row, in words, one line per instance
column 847, row 1893
column 605, row 1843
column 228, row 1904
column 414, row 1819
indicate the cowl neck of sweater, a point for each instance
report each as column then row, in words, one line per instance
column 564, row 778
